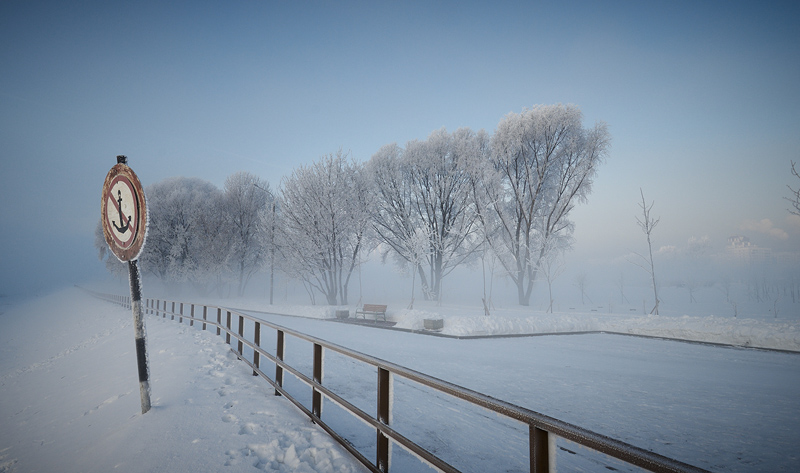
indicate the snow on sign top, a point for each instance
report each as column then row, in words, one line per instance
column 124, row 212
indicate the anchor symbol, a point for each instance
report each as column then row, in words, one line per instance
column 123, row 225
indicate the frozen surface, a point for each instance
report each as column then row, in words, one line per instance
column 723, row 409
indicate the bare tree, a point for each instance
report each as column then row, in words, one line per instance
column 187, row 238
column 647, row 223
column 795, row 197
column 551, row 269
column 621, row 286
column 427, row 186
column 415, row 252
column 582, row 282
column 244, row 205
column 325, row 214
column 112, row 263
column 270, row 234
column 542, row 163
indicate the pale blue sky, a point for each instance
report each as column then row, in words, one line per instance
column 702, row 100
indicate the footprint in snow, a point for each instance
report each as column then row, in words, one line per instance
column 248, row 429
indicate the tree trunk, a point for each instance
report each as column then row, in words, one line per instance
column 522, row 295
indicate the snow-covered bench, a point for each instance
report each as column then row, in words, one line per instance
column 372, row 309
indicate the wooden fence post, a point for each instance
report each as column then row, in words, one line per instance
column 240, row 345
column 384, row 414
column 228, row 327
column 278, row 368
column 540, row 451
column 316, row 396
column 257, row 342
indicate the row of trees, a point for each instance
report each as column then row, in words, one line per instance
column 431, row 206
column 201, row 235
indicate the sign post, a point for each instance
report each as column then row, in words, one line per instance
column 124, row 216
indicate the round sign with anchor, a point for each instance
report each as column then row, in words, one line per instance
column 124, row 212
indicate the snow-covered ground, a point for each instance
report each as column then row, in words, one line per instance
column 70, row 398
column 462, row 321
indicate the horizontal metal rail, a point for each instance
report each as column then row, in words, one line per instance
column 542, row 428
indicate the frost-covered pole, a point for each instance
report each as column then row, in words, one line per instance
column 124, row 216
column 138, row 326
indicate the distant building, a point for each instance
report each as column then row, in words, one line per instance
column 741, row 249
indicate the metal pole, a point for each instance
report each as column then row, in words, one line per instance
column 138, row 325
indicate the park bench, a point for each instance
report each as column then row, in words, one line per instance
column 372, row 309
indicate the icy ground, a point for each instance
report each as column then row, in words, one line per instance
column 723, row 409
column 762, row 331
column 69, row 397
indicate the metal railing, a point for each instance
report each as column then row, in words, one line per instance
column 543, row 429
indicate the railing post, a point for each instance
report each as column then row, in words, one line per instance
column 191, row 321
column 241, row 334
column 219, row 319
column 384, row 415
column 228, row 327
column 257, row 342
column 279, row 368
column 542, row 459
column 172, row 312
column 180, row 318
column 316, row 396
column 205, row 313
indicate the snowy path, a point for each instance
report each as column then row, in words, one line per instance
column 723, row 409
column 69, row 399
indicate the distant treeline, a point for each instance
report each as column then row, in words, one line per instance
column 431, row 205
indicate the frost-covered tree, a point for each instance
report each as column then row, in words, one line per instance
column 552, row 267
column 187, row 237
column 271, row 236
column 426, row 187
column 325, row 214
column 113, row 265
column 794, row 200
column 243, row 207
column 647, row 223
column 542, row 163
column 411, row 255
